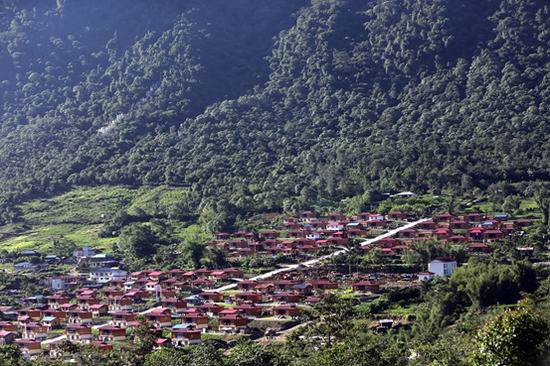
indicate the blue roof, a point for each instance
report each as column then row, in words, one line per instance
column 106, row 270
column 29, row 252
column 23, row 264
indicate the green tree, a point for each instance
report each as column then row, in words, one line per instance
column 142, row 337
column 165, row 357
column 206, row 354
column 63, row 247
column 10, row 355
column 138, row 241
column 335, row 315
column 511, row 338
column 511, row 203
column 248, row 353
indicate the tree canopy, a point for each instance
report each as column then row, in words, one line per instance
column 349, row 97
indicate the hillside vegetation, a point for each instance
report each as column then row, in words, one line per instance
column 85, row 217
column 263, row 104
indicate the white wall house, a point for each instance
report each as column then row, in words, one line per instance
column 404, row 194
column 376, row 217
column 335, row 226
column 442, row 266
column 313, row 235
column 104, row 275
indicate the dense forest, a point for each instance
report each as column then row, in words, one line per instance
column 269, row 104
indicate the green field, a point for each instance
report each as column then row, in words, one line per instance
column 80, row 214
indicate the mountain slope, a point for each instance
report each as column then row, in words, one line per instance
column 355, row 96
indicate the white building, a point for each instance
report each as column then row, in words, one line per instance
column 313, row 235
column 336, row 226
column 57, row 284
column 442, row 266
column 104, row 275
column 376, row 217
column 404, row 195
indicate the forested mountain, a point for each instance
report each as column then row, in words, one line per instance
column 272, row 103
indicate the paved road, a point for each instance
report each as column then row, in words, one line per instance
column 288, row 268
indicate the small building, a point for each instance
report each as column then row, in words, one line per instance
column 111, row 334
column 79, row 317
column 406, row 233
column 323, row 285
column 444, row 217
column 288, row 297
column 233, row 323
column 385, row 324
column 291, row 311
column 51, row 322
column 7, row 337
column 99, row 310
column 32, row 314
column 183, row 335
column 34, row 331
column 78, row 333
column 23, row 266
column 366, row 286
column 106, row 275
column 247, row 285
column 122, row 319
column 479, row 248
column 493, row 234
column 336, row 226
column 198, row 320
column 253, row 297
column 525, row 252
column 406, row 194
column 120, row 303
column 55, row 301
column 176, row 305
column 29, row 347
column 8, row 326
column 209, row 309
column 212, row 296
column 161, row 343
column 56, row 283
column 249, row 310
column 476, row 233
column 442, row 266
column 160, row 317
column 313, row 235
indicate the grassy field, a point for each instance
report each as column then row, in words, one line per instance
column 527, row 208
column 79, row 215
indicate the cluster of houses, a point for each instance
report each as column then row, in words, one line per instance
column 477, row 232
column 104, row 303
column 85, row 258
column 305, row 234
column 473, row 230
column 103, row 313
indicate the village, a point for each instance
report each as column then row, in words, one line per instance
column 100, row 303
